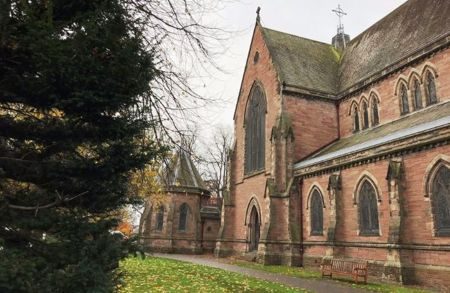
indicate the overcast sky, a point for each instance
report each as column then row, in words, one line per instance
column 309, row 19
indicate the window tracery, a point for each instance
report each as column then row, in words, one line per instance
column 368, row 210
column 316, row 212
column 255, row 131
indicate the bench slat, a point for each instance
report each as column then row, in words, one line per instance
column 354, row 269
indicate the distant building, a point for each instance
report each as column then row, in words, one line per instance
column 189, row 220
column 343, row 150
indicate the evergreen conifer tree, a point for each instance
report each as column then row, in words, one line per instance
column 71, row 74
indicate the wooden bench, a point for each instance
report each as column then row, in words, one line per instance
column 356, row 270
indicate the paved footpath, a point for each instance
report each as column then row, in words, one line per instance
column 320, row 286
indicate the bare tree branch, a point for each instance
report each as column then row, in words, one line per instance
column 58, row 201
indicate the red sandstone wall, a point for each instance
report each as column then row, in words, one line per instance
column 314, row 123
column 246, row 188
column 389, row 103
column 418, row 220
column 210, row 229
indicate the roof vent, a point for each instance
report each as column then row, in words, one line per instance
column 340, row 41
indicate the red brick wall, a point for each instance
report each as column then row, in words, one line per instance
column 314, row 123
column 389, row 108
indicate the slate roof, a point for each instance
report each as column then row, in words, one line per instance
column 318, row 66
column 428, row 119
column 303, row 62
column 410, row 27
column 180, row 173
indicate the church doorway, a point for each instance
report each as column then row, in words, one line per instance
column 254, row 229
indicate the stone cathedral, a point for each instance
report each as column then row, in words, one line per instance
column 342, row 150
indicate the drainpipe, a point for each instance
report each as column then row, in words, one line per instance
column 338, row 120
column 300, row 193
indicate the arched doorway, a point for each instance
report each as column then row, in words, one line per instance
column 254, row 229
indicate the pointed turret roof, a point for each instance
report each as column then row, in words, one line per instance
column 180, row 174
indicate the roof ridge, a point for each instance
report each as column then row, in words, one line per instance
column 303, row 38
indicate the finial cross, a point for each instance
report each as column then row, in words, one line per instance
column 340, row 13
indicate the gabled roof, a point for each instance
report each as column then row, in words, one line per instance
column 408, row 28
column 308, row 64
column 180, row 174
column 428, row 119
column 303, row 62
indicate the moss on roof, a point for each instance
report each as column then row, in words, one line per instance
column 180, row 172
column 303, row 62
column 410, row 27
column 318, row 66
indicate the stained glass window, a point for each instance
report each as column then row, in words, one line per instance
column 431, row 89
column 184, row 209
column 316, row 213
column 404, row 97
column 441, row 201
column 417, row 95
column 160, row 218
column 365, row 112
column 375, row 115
column 368, row 210
column 255, row 123
column 355, row 119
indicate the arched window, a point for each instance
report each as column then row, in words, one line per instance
column 440, row 197
column 316, row 211
column 184, row 210
column 417, row 95
column 365, row 113
column 355, row 119
column 255, row 123
column 160, row 218
column 375, row 115
column 404, row 99
column 431, row 89
column 368, row 211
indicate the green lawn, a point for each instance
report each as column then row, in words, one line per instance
column 162, row 275
column 310, row 274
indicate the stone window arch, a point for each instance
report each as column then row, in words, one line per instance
column 416, row 92
column 439, row 191
column 183, row 218
column 367, row 200
column 316, row 206
column 403, row 94
column 365, row 114
column 430, row 88
column 255, row 124
column 374, row 101
column 160, row 219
